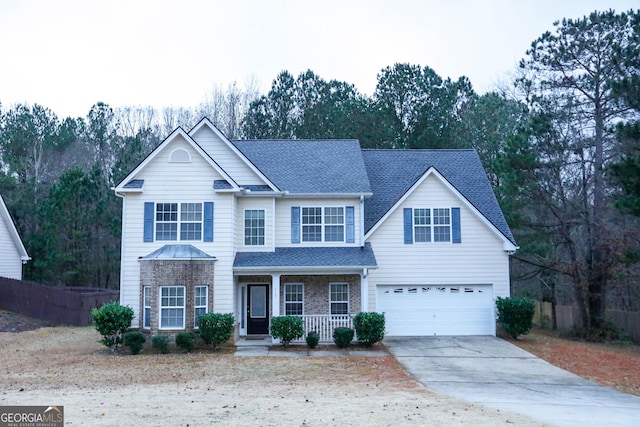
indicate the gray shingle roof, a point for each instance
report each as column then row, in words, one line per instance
column 178, row 252
column 310, row 166
column 134, row 183
column 221, row 184
column 393, row 172
column 292, row 257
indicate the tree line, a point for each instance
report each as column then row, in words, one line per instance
column 560, row 143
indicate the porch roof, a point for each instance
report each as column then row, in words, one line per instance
column 307, row 259
column 178, row 252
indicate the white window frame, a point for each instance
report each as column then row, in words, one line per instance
column 176, row 306
column 184, row 218
column 327, row 220
column 200, row 305
column 255, row 229
column 287, row 288
column 146, row 307
column 333, row 301
column 434, row 223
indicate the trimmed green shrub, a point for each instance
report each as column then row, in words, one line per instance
column 369, row 327
column 515, row 315
column 312, row 339
column 111, row 321
column 342, row 337
column 160, row 343
column 287, row 328
column 184, row 340
column 134, row 340
column 215, row 328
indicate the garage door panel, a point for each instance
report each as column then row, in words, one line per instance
column 437, row 310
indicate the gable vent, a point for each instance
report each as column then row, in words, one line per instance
column 179, row 155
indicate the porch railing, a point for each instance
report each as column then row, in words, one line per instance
column 324, row 324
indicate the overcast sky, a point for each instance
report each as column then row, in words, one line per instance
column 69, row 54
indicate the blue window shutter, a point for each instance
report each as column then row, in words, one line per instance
column 456, row 237
column 295, row 224
column 208, row 222
column 408, row 225
column 148, row 221
column 350, row 224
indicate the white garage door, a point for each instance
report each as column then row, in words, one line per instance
column 421, row 310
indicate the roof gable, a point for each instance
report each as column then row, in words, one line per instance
column 310, row 166
column 130, row 183
column 395, row 173
column 218, row 146
column 5, row 217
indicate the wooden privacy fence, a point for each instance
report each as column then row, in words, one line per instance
column 568, row 317
column 67, row 306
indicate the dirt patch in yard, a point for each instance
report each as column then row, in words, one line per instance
column 612, row 365
column 67, row 366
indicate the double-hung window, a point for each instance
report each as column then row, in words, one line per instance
column 200, row 302
column 183, row 220
column 432, row 225
column 293, row 299
column 339, row 298
column 172, row 307
column 146, row 302
column 254, row 227
column 323, row 224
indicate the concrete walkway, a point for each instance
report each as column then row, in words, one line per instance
column 495, row 373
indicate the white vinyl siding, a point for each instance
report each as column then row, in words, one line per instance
column 10, row 262
column 480, row 257
column 193, row 182
column 244, row 204
column 225, row 157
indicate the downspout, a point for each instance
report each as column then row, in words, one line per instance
column 362, row 221
column 124, row 201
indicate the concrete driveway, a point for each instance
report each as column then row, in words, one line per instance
column 495, row 373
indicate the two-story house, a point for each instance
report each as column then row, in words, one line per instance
column 316, row 228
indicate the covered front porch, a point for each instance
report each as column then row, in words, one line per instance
column 326, row 291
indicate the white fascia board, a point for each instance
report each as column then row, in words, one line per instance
column 13, row 231
column 433, row 171
column 206, row 122
column 237, row 271
column 328, row 195
column 176, row 133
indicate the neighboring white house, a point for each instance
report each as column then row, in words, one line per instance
column 12, row 252
column 317, row 228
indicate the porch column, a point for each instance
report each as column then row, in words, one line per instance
column 275, row 300
column 364, row 290
column 275, row 295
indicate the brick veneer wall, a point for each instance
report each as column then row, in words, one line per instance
column 188, row 273
column 316, row 290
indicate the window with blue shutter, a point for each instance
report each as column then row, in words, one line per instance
column 208, row 222
column 295, row 224
column 456, row 236
column 149, row 210
column 350, row 224
column 408, row 225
